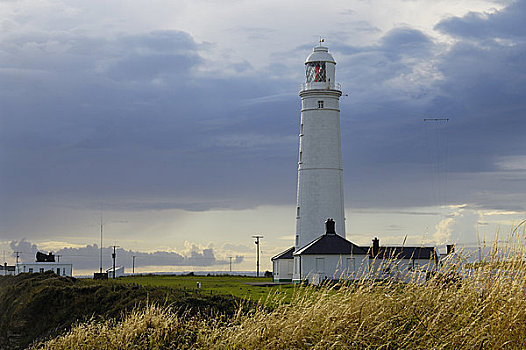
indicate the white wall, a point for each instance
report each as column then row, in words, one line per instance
column 282, row 270
column 320, row 173
column 316, row 268
column 334, row 267
column 65, row 269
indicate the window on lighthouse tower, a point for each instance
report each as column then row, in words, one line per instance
column 320, row 104
column 315, row 72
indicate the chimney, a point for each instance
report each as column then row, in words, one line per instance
column 450, row 248
column 329, row 227
column 376, row 246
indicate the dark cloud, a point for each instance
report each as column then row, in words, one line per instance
column 133, row 117
column 145, row 122
column 407, row 42
column 479, row 84
column 506, row 24
column 24, row 249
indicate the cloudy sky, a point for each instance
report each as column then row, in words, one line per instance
column 178, row 121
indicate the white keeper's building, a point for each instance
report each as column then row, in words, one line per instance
column 61, row 269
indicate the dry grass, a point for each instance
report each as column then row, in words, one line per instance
column 485, row 309
column 149, row 328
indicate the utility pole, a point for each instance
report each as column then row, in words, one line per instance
column 114, row 256
column 133, row 264
column 257, row 237
column 230, row 257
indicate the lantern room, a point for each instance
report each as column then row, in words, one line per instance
column 320, row 70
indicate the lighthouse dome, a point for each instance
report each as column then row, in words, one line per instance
column 320, row 54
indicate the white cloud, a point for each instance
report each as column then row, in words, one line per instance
column 512, row 163
column 443, row 231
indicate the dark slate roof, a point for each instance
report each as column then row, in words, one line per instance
column 287, row 254
column 331, row 244
column 404, row 252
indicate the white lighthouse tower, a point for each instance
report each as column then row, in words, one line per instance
column 320, row 172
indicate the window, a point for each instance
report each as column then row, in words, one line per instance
column 41, row 270
column 30, row 270
column 320, row 104
column 63, row 271
column 297, row 212
column 58, row 271
column 301, row 129
column 315, row 72
column 320, row 265
column 301, row 157
column 297, row 239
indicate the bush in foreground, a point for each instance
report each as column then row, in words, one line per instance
column 39, row 306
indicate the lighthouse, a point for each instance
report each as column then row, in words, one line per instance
column 320, row 172
column 321, row 252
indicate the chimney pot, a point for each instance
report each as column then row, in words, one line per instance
column 376, row 246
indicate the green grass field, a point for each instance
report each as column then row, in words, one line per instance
column 227, row 285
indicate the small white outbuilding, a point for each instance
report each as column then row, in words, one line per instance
column 6, row 270
column 119, row 272
column 282, row 266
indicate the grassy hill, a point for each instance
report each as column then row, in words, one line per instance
column 485, row 311
column 465, row 306
column 37, row 306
